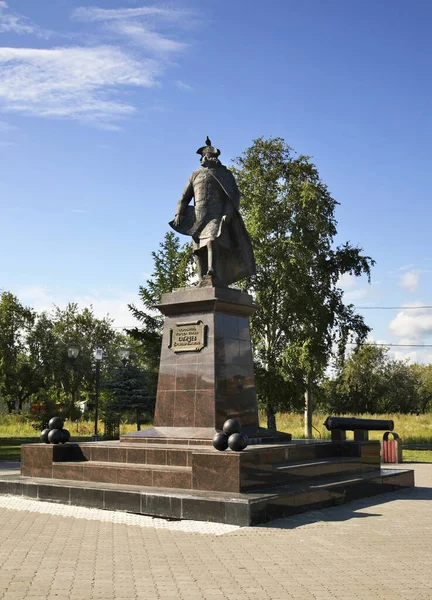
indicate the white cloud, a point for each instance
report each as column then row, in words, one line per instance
column 137, row 26
column 84, row 83
column 112, row 303
column 346, row 281
column 11, row 22
column 413, row 325
column 411, row 356
column 93, row 13
column 378, row 341
column 73, row 82
column 144, row 37
column 419, row 355
column 410, row 281
column 185, row 87
column 4, row 126
column 355, row 288
column 354, row 295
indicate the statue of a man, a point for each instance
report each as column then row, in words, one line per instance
column 221, row 243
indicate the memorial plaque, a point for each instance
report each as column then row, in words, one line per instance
column 187, row 337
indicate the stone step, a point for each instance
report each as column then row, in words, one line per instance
column 139, row 454
column 322, row 467
column 288, row 474
column 311, row 494
column 236, row 509
column 121, row 473
column 296, row 453
column 181, row 454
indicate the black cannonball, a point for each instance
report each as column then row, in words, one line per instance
column 55, row 423
column 66, row 436
column 220, row 441
column 55, row 436
column 237, row 442
column 44, row 436
column 231, row 426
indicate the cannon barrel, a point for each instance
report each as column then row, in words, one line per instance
column 351, row 424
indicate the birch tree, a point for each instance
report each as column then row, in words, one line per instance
column 302, row 320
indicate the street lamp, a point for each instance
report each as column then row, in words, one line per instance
column 98, row 355
column 73, row 351
column 124, row 354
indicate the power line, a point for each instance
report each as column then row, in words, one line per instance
column 394, row 345
column 392, row 307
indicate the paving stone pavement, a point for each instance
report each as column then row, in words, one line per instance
column 378, row 548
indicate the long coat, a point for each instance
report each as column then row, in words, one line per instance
column 216, row 194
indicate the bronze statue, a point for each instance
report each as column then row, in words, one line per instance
column 221, row 244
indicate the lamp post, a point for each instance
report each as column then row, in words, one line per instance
column 98, row 355
column 124, row 354
column 73, row 352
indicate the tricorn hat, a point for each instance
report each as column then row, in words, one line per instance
column 208, row 149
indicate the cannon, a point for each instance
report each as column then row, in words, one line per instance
column 361, row 427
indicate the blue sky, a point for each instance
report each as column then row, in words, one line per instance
column 103, row 105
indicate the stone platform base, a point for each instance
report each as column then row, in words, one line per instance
column 195, row 481
column 235, row 509
column 199, row 466
column 198, row 436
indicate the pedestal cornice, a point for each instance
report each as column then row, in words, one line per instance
column 207, row 299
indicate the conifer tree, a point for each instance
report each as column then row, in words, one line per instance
column 173, row 268
column 129, row 389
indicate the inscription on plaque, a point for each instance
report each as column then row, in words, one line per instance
column 187, row 337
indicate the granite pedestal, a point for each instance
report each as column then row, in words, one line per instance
column 204, row 382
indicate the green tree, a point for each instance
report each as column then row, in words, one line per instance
column 423, row 377
column 361, row 384
column 370, row 381
column 74, row 379
column 172, row 268
column 302, row 320
column 401, row 388
column 43, row 350
column 129, row 390
column 18, row 379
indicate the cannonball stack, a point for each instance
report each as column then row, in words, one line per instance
column 230, row 437
column 55, row 434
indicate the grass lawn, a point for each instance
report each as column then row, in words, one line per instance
column 412, row 429
column 10, row 447
column 420, row 456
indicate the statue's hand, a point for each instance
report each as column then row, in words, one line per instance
column 226, row 218
column 177, row 220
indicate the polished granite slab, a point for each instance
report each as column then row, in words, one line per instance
column 194, row 436
column 199, row 467
column 202, row 388
column 241, row 509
